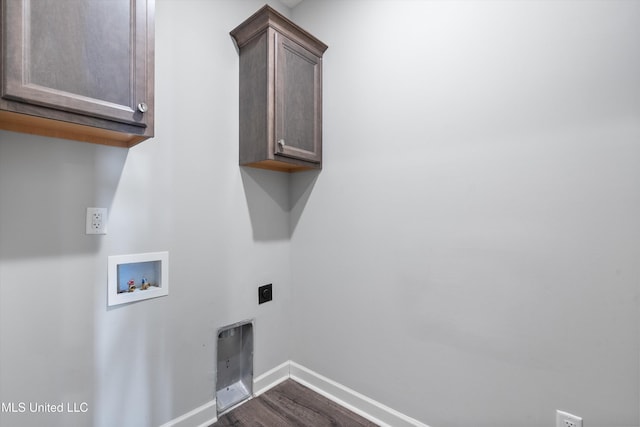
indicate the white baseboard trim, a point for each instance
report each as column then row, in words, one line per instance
column 360, row 404
column 271, row 378
column 202, row 416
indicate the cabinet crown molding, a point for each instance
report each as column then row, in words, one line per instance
column 268, row 17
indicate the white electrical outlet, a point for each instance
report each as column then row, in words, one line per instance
column 96, row 220
column 565, row 419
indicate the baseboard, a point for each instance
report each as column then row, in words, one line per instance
column 360, row 404
column 202, row 416
column 271, row 378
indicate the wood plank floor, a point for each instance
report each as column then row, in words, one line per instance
column 290, row 404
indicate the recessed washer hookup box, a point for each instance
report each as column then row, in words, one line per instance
column 137, row 277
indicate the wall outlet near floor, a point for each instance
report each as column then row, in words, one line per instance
column 565, row 419
column 96, row 220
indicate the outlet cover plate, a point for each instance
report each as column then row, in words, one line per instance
column 96, row 221
column 265, row 293
column 565, row 419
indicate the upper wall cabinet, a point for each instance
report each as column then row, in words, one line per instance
column 280, row 93
column 78, row 69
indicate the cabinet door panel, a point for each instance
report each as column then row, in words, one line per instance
column 80, row 56
column 298, row 102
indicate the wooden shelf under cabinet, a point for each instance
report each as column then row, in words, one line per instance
column 34, row 125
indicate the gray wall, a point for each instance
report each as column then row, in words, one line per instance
column 148, row 362
column 469, row 254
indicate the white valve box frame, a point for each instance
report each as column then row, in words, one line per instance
column 161, row 288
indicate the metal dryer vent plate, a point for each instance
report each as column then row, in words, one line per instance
column 234, row 378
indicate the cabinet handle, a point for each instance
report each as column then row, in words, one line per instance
column 281, row 144
column 143, row 107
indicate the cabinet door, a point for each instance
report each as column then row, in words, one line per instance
column 298, row 101
column 80, row 56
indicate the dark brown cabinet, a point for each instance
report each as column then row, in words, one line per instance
column 79, row 69
column 280, row 93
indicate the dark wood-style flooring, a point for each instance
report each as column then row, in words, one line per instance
column 290, row 404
